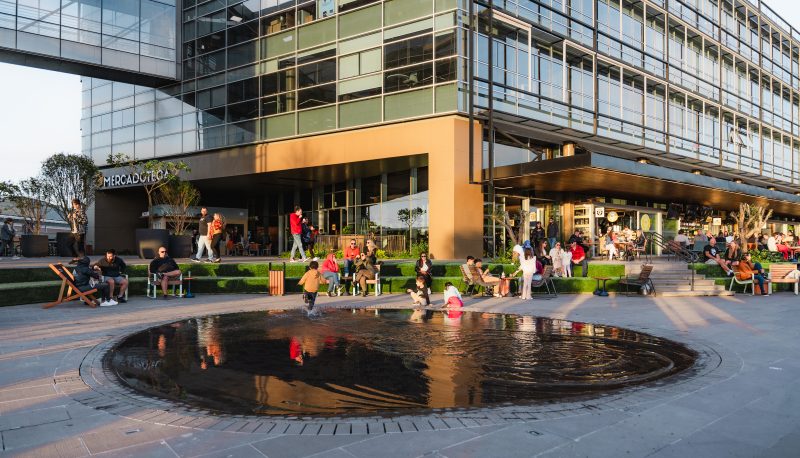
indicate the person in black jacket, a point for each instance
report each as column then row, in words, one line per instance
column 552, row 233
column 423, row 267
column 165, row 269
column 84, row 275
column 7, row 234
column 537, row 233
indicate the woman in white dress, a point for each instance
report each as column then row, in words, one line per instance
column 557, row 255
column 528, row 268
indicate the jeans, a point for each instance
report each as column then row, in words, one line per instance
column 333, row 280
column 585, row 265
column 9, row 244
column 77, row 245
column 551, row 242
column 348, row 267
column 202, row 243
column 297, row 245
column 310, row 298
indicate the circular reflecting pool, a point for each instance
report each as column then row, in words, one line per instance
column 361, row 362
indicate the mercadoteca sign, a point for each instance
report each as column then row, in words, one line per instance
column 133, row 179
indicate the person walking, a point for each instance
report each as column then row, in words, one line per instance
column 215, row 230
column 296, row 228
column 77, row 223
column 204, row 242
column 7, row 234
column 552, row 233
column 310, row 282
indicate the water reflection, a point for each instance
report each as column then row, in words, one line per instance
column 363, row 362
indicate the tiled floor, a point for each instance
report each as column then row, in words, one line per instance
column 56, row 400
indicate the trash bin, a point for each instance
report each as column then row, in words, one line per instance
column 276, row 278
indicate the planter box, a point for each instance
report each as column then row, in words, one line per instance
column 180, row 246
column 149, row 240
column 64, row 244
column 34, row 246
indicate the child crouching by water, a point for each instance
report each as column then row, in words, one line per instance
column 420, row 296
column 311, row 281
column 452, row 298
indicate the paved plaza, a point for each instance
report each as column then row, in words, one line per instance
column 740, row 400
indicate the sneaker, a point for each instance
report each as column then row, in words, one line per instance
column 293, row 260
column 339, row 290
column 730, row 273
column 106, row 304
column 217, row 261
column 330, row 294
column 15, row 258
column 121, row 299
column 195, row 260
column 112, row 302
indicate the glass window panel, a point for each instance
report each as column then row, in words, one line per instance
column 169, row 126
column 396, row 11
column 316, row 96
column 168, row 145
column 316, row 73
column 280, row 126
column 361, row 43
column 349, row 66
column 408, row 104
column 407, row 30
column 157, row 25
column 242, row 55
column 121, row 20
column 316, row 33
column 407, row 52
column 359, row 113
column 278, row 82
column 408, row 77
column 243, row 111
column 446, row 98
column 370, row 61
column 359, row 21
column 242, row 33
column 317, row 120
column 243, row 90
column 360, row 87
column 280, row 44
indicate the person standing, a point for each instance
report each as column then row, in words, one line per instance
column 215, row 230
column 296, row 228
column 77, row 223
column 204, row 242
column 537, row 233
column 528, row 268
column 552, row 233
column 7, row 234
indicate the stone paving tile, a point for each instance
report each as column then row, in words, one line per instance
column 51, row 432
column 71, row 447
column 242, row 451
column 298, row 446
column 708, row 444
column 414, row 444
column 33, row 418
column 124, row 433
column 194, row 443
column 764, row 432
column 509, row 441
column 575, row 426
column 157, row 449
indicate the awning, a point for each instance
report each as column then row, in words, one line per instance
column 595, row 174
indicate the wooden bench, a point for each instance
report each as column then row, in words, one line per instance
column 640, row 281
column 68, row 283
column 375, row 281
column 778, row 273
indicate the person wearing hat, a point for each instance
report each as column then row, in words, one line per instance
column 7, row 233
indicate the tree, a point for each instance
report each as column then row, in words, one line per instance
column 749, row 220
column 409, row 216
column 69, row 176
column 178, row 197
column 504, row 218
column 30, row 197
column 7, row 190
column 153, row 174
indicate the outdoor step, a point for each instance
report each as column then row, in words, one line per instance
column 693, row 293
column 689, row 288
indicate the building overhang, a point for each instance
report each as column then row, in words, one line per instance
column 594, row 174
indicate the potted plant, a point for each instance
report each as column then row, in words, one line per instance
column 179, row 197
column 154, row 175
column 30, row 198
column 69, row 176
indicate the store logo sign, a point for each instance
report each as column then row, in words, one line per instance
column 133, row 179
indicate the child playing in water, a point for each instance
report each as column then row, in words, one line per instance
column 420, row 296
column 311, row 281
column 452, row 298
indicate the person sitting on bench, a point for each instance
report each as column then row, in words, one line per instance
column 165, row 269
column 711, row 256
column 113, row 270
column 84, row 275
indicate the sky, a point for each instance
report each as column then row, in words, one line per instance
column 40, row 111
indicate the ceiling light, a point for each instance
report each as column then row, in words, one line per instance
column 771, row 188
column 738, row 181
column 236, row 19
column 697, row 172
column 642, row 160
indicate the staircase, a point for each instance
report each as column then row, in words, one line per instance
column 674, row 279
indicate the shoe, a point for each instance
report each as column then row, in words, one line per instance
column 730, row 273
column 195, row 260
column 15, row 258
column 112, row 302
column 106, row 304
column 292, row 260
column 315, row 258
column 74, row 261
column 208, row 261
column 309, row 307
column 330, row 294
column 304, row 260
column 339, row 290
column 217, row 261
column 166, row 297
column 121, row 300
column 364, row 294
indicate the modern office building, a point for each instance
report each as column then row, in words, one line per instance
column 602, row 112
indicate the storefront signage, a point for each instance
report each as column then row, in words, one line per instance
column 599, row 212
column 133, row 179
column 612, row 216
column 716, row 222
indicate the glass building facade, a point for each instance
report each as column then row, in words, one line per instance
column 131, row 35
column 697, row 84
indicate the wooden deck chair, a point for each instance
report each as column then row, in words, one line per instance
column 477, row 278
column 68, row 288
column 546, row 281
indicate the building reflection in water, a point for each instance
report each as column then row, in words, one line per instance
column 362, row 362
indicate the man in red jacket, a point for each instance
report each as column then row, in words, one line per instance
column 297, row 228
